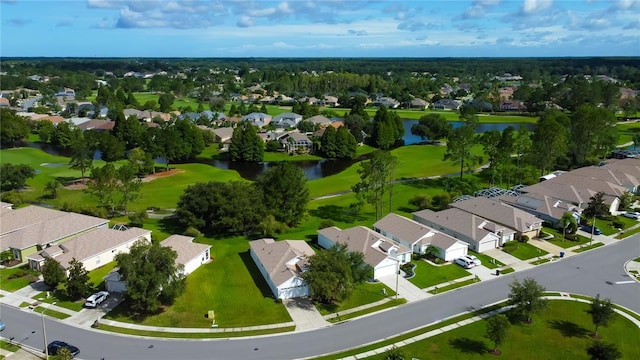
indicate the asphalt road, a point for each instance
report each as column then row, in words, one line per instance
column 591, row 273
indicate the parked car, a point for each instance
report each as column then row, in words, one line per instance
column 2, row 326
column 96, row 299
column 588, row 228
column 464, row 262
column 55, row 346
column 632, row 215
column 474, row 260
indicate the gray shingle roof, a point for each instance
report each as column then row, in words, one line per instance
column 500, row 213
column 403, row 228
column 461, row 222
column 185, row 248
column 279, row 258
column 364, row 240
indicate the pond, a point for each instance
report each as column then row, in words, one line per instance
column 313, row 169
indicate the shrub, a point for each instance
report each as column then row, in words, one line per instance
column 137, row 218
column 326, row 223
column 617, row 224
column 524, row 238
column 441, row 201
column 193, row 232
column 14, row 197
column 420, row 201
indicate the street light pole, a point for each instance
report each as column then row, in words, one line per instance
column 44, row 331
column 397, row 275
column 593, row 228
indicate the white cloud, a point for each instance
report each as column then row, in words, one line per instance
column 530, row 7
column 245, row 21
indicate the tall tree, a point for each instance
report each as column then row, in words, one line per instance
column 13, row 128
column 246, row 145
column 347, row 145
column 81, row 155
column 104, row 185
column 329, row 143
column 387, row 129
column 432, row 127
column 331, row 273
column 78, row 284
column 521, row 146
column 129, row 185
column 284, row 192
column 165, row 101
column 15, row 176
column 595, row 208
column 45, row 130
column 526, row 297
column 601, row 312
column 375, row 180
column 53, row 187
column 593, row 133
column 152, row 275
column 549, row 140
column 52, row 272
column 600, row 350
column 141, row 161
column 497, row 330
column 459, row 146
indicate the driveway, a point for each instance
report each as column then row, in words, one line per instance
column 406, row 289
column 86, row 317
column 304, row 314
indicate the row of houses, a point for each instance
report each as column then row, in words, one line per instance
column 34, row 233
column 476, row 223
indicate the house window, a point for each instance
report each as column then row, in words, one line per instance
column 97, row 261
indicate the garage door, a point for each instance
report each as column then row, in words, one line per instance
column 488, row 245
column 294, row 292
column 385, row 270
column 455, row 253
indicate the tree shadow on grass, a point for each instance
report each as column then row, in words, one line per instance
column 260, row 282
column 568, row 328
column 407, row 209
column 469, row 346
column 337, row 213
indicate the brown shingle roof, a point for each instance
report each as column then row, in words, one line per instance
column 184, row 247
column 279, row 258
column 403, row 228
column 499, row 213
column 460, row 222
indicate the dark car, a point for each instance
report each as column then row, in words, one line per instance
column 589, row 228
column 55, row 346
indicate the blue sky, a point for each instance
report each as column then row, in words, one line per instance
column 327, row 28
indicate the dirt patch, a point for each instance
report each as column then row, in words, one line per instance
column 162, row 174
column 77, row 184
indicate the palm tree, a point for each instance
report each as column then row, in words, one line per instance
column 53, row 187
column 565, row 221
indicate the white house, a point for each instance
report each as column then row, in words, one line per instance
column 281, row 264
column 190, row 254
column 382, row 253
column 418, row 236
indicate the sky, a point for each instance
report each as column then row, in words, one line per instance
column 327, row 28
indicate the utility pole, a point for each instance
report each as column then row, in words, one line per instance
column 44, row 331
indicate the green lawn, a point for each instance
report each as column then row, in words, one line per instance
column 449, row 115
column 363, row 294
column 487, row 260
column 387, row 305
column 190, row 335
column 522, row 251
column 96, row 276
column 460, row 284
column 17, row 278
column 427, row 275
column 626, row 131
column 561, row 332
column 625, row 234
column 60, row 298
column 589, row 247
column 52, row 313
column 231, row 285
column 607, row 228
column 557, row 239
column 507, row 271
column 9, row 346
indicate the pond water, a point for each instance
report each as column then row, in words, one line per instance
column 313, row 169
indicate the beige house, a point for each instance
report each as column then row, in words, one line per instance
column 524, row 223
column 281, row 263
column 190, row 254
column 28, row 230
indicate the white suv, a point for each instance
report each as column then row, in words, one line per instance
column 464, row 262
column 473, row 259
column 96, row 299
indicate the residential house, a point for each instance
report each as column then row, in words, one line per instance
column 296, row 141
column 281, row 263
column 524, row 223
column 223, row 134
column 4, row 102
column 387, row 102
column 417, row 103
column 512, row 105
column 383, row 254
column 481, row 234
column 93, row 248
column 97, row 125
column 447, row 104
column 418, row 237
column 286, row 120
column 190, row 255
column 27, row 230
column 542, row 206
column 257, row 119
column 331, row 101
column 481, row 105
column 320, row 120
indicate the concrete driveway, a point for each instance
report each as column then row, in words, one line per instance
column 86, row 317
column 304, row 314
column 406, row 289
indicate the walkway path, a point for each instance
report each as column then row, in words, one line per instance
column 406, row 289
column 304, row 314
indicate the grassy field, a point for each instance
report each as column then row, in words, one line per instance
column 231, row 285
column 560, row 332
column 16, row 278
column 449, row 115
column 523, row 251
column 487, row 261
column 203, row 335
column 363, row 294
column 428, row 275
column 557, row 239
column 588, row 247
column 60, row 298
column 626, row 131
column 453, row 286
